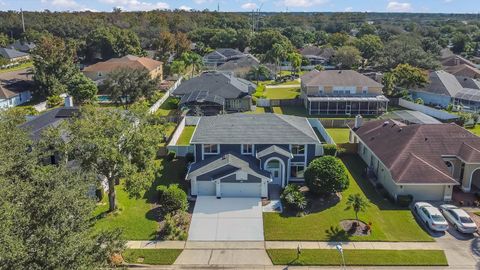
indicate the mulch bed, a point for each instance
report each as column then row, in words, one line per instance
column 354, row 227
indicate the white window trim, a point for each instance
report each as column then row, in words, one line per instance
column 299, row 155
column 292, row 164
column 247, row 153
column 212, row 153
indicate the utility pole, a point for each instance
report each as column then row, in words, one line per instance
column 218, row 7
column 23, row 21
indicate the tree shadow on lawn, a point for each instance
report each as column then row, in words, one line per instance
column 334, row 233
column 356, row 166
column 172, row 172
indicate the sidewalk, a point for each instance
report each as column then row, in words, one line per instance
column 246, row 245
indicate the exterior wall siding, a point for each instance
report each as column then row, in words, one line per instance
column 430, row 98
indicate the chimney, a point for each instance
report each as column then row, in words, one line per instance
column 68, row 101
column 358, row 121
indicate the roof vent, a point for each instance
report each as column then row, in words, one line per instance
column 400, row 129
column 426, row 139
column 385, row 123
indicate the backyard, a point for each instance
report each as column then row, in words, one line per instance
column 339, row 135
column 282, row 92
column 389, row 223
column 137, row 218
column 168, row 108
column 186, row 135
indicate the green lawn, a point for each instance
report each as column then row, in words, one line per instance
column 136, row 217
column 168, row 107
column 359, row 257
column 186, row 135
column 389, row 223
column 291, row 110
column 151, row 256
column 475, row 130
column 282, row 93
column 339, row 135
column 19, row 67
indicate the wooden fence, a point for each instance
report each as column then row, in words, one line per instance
column 264, row 102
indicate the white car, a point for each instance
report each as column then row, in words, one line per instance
column 431, row 216
column 459, row 218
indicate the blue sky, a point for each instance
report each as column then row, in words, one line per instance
column 440, row 6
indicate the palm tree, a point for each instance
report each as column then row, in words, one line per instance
column 358, row 203
column 259, row 71
column 192, row 59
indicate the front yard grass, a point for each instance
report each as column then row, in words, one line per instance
column 137, row 217
column 282, row 93
column 389, row 223
column 339, row 135
column 151, row 256
column 186, row 135
column 358, row 257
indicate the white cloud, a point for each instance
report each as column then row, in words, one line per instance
column 65, row 5
column 135, row 5
column 303, row 3
column 249, row 6
column 348, row 9
column 394, row 6
column 186, row 8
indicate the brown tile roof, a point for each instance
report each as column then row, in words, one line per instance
column 464, row 70
column 413, row 153
column 338, row 78
column 129, row 61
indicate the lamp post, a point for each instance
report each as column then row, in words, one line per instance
column 340, row 250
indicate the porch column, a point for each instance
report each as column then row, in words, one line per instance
column 264, row 188
column 218, row 189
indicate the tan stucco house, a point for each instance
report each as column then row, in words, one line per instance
column 422, row 160
column 342, row 92
column 100, row 71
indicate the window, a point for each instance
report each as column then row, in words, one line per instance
column 298, row 149
column 297, row 170
column 462, row 171
column 210, row 149
column 320, row 90
column 247, row 149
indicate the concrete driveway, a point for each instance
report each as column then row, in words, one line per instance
column 226, row 219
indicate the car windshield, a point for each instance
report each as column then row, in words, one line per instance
column 438, row 218
column 466, row 220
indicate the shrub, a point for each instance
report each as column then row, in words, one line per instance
column 175, row 226
column 341, row 151
column 99, row 194
column 404, row 200
column 171, row 155
column 54, row 101
column 172, row 198
column 293, row 199
column 329, row 149
column 326, row 175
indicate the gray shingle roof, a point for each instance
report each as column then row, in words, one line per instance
column 22, row 46
column 231, row 162
column 51, row 118
column 442, row 83
column 254, row 129
column 338, row 78
column 217, row 84
column 11, row 53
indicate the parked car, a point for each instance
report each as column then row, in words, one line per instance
column 459, row 218
column 431, row 216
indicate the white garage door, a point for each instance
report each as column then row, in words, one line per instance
column 241, row 189
column 206, row 188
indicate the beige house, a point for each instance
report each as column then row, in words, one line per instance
column 422, row 160
column 342, row 92
column 99, row 71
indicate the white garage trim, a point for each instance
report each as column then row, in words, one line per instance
column 240, row 189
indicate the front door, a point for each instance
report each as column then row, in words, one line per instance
column 274, row 167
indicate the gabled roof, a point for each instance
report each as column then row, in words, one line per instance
column 247, row 62
column 325, row 53
column 442, row 83
column 274, row 149
column 228, row 163
column 413, row 153
column 338, row 78
column 254, row 129
column 216, row 84
column 128, row 61
column 464, row 70
column 11, row 53
column 51, row 118
column 468, row 82
column 6, row 93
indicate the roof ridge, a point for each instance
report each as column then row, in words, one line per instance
column 292, row 125
column 428, row 164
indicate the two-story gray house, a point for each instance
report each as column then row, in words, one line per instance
column 242, row 155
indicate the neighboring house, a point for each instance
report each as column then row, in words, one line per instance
column 464, row 71
column 243, row 155
column 316, row 55
column 99, row 71
column 458, row 65
column 342, row 92
column 14, row 56
column 444, row 89
column 215, row 92
column 16, row 88
column 422, row 160
column 221, row 56
column 23, row 46
column 242, row 66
